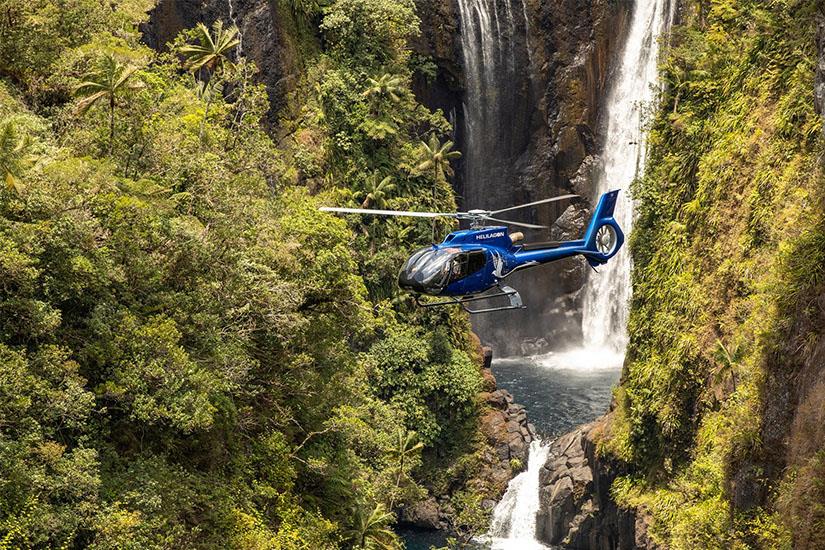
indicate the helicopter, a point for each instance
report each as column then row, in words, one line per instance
column 470, row 265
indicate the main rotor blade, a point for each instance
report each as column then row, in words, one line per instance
column 543, row 201
column 519, row 224
column 387, row 212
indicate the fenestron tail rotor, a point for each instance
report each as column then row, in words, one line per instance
column 606, row 239
column 475, row 217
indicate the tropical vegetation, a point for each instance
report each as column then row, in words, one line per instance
column 191, row 355
column 728, row 252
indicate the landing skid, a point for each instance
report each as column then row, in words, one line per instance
column 511, row 293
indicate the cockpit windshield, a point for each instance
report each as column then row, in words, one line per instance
column 429, row 270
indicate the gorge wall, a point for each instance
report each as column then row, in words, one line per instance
column 715, row 437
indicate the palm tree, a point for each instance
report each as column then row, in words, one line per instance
column 370, row 528
column 728, row 362
column 387, row 85
column 406, row 447
column 211, row 50
column 13, row 155
column 378, row 191
column 677, row 77
column 210, row 53
column 104, row 83
column 436, row 156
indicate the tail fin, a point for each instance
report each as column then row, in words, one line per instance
column 604, row 237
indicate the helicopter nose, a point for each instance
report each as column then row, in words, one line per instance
column 409, row 283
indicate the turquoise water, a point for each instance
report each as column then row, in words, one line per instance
column 561, row 390
column 422, row 540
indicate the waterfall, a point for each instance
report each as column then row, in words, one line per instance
column 498, row 108
column 514, row 517
column 497, row 62
column 607, row 295
column 233, row 18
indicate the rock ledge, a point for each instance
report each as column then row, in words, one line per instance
column 576, row 510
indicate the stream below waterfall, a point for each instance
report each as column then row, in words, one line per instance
column 561, row 391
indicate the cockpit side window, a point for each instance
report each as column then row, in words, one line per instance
column 476, row 262
column 467, row 263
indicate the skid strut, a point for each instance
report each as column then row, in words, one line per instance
column 505, row 291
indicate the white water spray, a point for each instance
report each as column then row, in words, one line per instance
column 514, row 517
column 607, row 295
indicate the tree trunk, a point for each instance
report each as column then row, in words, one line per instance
column 111, row 123
column 206, row 111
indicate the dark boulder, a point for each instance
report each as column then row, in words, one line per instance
column 424, row 515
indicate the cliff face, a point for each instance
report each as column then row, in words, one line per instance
column 576, row 510
column 715, row 439
column 267, row 33
column 550, row 137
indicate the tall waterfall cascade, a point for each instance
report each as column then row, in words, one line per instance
column 497, row 58
column 499, row 107
column 606, row 295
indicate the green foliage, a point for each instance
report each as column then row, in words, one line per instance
column 388, row 23
column 386, row 86
column 804, row 499
column 190, row 354
column 470, row 520
column 435, row 397
column 38, row 35
column 727, row 251
column 13, row 155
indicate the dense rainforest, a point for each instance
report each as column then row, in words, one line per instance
column 191, row 355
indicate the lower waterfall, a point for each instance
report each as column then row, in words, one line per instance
column 514, row 517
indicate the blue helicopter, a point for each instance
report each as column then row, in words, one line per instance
column 470, row 265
